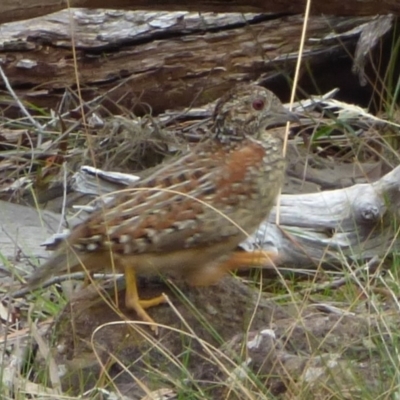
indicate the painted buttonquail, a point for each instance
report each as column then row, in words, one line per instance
column 188, row 217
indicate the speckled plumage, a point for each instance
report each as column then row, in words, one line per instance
column 193, row 212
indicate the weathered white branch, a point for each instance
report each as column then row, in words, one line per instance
column 357, row 222
column 327, row 227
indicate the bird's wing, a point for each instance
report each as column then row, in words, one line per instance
column 185, row 204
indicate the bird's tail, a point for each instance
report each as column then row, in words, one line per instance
column 62, row 261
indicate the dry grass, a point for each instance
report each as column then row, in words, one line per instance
column 347, row 347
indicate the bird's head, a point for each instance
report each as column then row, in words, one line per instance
column 246, row 111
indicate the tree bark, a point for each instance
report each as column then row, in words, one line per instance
column 13, row 11
column 164, row 60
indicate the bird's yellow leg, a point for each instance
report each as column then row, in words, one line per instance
column 244, row 260
column 211, row 274
column 133, row 302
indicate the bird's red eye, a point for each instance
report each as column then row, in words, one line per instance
column 258, row 104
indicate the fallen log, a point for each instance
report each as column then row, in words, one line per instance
column 147, row 61
column 13, row 11
column 331, row 227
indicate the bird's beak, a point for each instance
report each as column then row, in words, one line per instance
column 289, row 116
column 282, row 116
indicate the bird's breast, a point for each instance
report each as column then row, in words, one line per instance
column 256, row 174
